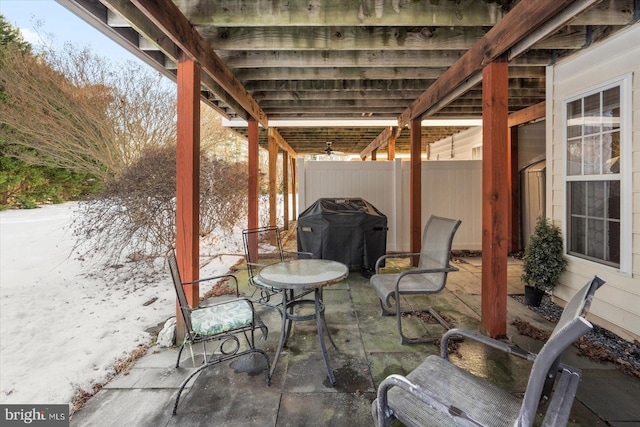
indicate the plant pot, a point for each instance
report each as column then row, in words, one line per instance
column 532, row 296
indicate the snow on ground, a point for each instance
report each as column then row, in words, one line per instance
column 64, row 323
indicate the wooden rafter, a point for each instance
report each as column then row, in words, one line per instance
column 381, row 141
column 363, row 38
column 175, row 25
column 348, row 13
column 527, row 115
column 523, row 19
column 282, row 143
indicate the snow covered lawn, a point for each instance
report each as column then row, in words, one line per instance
column 64, row 323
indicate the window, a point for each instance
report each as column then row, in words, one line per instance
column 476, row 153
column 594, row 125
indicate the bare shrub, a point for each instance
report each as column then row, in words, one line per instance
column 75, row 110
column 135, row 213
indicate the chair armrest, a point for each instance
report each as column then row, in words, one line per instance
column 493, row 343
column 309, row 254
column 444, row 408
column 384, row 257
column 447, row 269
column 222, row 276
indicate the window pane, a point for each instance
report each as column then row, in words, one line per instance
column 611, row 152
column 595, row 238
column 574, row 119
column 574, row 157
column 613, row 200
column 577, row 239
column 592, row 115
column 611, row 109
column 595, row 199
column 592, row 155
column 578, row 198
column 613, row 245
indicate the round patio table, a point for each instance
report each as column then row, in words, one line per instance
column 303, row 274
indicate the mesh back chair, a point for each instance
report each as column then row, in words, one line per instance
column 221, row 322
column 263, row 246
column 440, row 393
column 429, row 277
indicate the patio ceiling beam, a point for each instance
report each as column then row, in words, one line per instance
column 526, row 115
column 423, row 72
column 166, row 16
column 284, row 95
column 381, row 141
column 366, row 58
column 524, row 18
column 356, row 13
column 282, row 143
column 369, row 38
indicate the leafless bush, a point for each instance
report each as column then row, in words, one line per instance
column 75, row 110
column 134, row 215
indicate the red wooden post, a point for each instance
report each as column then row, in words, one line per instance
column 415, row 188
column 391, row 145
column 514, row 191
column 188, row 179
column 253, row 192
column 273, row 175
column 285, row 187
column 496, row 197
column 253, row 174
column 294, row 189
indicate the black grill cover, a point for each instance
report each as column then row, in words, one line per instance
column 351, row 231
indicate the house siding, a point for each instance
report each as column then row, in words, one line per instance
column 617, row 305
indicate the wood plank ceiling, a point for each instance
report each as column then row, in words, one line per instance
column 346, row 59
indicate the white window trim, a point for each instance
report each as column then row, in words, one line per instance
column 626, row 176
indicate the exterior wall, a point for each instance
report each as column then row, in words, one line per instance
column 457, row 146
column 531, row 145
column 451, row 189
column 617, row 304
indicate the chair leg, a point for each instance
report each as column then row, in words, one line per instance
column 406, row 340
column 180, row 354
column 385, row 312
column 215, row 362
column 398, row 313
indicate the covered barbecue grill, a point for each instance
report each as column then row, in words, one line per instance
column 351, row 231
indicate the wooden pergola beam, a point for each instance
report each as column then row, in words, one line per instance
column 527, row 115
column 166, row 16
column 282, row 143
column 523, row 19
column 380, row 141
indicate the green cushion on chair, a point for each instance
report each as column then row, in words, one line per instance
column 221, row 318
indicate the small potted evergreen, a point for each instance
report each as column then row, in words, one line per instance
column 544, row 261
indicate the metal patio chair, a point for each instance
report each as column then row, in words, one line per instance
column 263, row 246
column 439, row 393
column 429, row 277
column 221, row 322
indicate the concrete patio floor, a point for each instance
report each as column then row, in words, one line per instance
column 368, row 350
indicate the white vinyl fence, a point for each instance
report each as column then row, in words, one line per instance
column 451, row 188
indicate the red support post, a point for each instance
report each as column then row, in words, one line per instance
column 415, row 189
column 188, row 178
column 253, row 175
column 496, row 197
